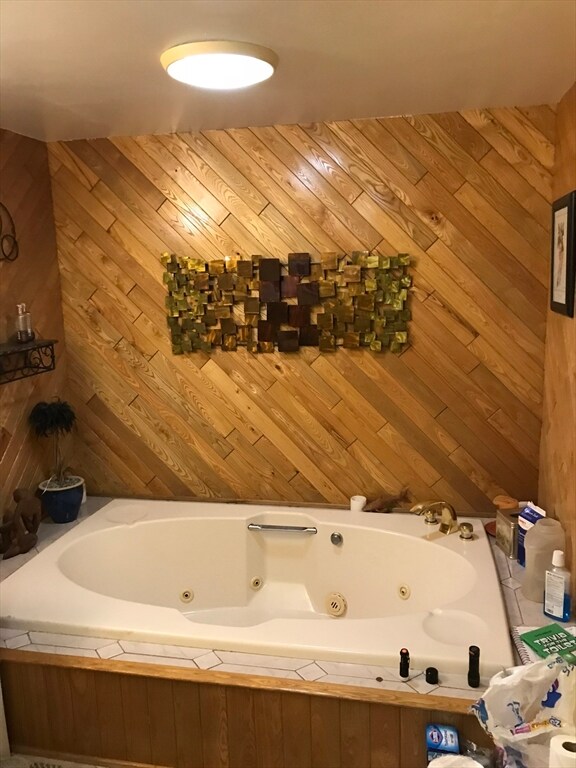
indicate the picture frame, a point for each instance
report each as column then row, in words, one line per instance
column 563, row 255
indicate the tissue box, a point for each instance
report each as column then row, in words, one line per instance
column 527, row 518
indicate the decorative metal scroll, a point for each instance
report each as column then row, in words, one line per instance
column 19, row 361
column 8, row 242
column 262, row 304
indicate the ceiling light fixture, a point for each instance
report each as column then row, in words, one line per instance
column 219, row 64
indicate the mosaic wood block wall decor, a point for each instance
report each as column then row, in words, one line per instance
column 262, row 304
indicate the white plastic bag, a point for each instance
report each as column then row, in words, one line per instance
column 524, row 707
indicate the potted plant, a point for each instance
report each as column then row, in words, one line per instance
column 62, row 493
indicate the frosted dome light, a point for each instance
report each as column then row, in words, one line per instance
column 219, row 65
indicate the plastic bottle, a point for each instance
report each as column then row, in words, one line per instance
column 24, row 330
column 557, row 589
column 540, row 541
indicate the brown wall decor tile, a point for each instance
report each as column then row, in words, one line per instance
column 308, row 293
column 266, row 331
column 269, row 292
column 298, row 316
column 309, row 336
column 299, row 264
column 269, row 270
column 277, row 312
column 289, row 286
column 288, row 341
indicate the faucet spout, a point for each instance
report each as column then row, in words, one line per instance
column 448, row 516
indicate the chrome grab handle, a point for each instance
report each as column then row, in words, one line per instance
column 289, row 528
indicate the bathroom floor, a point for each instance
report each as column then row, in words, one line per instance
column 30, row 761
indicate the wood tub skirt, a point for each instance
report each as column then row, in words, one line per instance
column 117, row 713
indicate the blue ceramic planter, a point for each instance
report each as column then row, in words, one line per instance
column 62, row 504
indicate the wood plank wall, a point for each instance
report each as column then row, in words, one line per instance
column 33, row 279
column 557, row 491
column 457, row 415
column 117, row 719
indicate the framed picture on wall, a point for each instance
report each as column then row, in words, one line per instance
column 563, row 262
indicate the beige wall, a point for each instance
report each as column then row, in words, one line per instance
column 557, row 492
column 33, row 279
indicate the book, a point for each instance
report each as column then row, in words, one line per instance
column 535, row 643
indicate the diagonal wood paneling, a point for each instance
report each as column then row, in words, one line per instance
column 557, row 488
column 32, row 278
column 457, row 415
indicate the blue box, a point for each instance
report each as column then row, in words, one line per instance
column 527, row 518
column 441, row 740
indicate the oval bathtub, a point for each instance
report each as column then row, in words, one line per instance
column 189, row 573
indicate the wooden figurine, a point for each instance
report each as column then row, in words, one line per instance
column 18, row 530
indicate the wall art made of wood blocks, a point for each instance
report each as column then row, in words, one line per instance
column 262, row 304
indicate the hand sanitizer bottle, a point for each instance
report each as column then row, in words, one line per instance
column 557, row 589
column 24, row 332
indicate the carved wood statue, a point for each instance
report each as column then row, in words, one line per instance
column 18, row 530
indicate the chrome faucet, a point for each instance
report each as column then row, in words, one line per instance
column 448, row 517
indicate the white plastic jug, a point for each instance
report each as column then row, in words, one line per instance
column 541, row 540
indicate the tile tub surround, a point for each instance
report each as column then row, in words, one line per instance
column 520, row 612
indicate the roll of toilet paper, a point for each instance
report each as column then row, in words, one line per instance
column 562, row 751
column 454, row 761
column 357, row 503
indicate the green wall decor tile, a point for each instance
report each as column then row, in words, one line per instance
column 216, row 267
column 244, row 267
column 316, row 272
column 326, row 288
column 227, row 325
column 329, row 261
column 351, row 340
column 327, row 342
column 325, row 321
column 252, row 305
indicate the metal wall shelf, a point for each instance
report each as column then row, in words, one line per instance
column 18, row 361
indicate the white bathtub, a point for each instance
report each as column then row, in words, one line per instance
column 194, row 574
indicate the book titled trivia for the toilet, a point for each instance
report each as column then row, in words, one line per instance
column 551, row 640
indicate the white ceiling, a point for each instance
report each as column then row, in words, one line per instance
column 90, row 68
